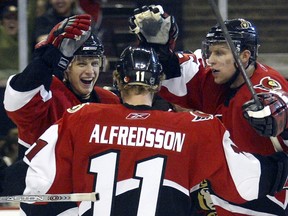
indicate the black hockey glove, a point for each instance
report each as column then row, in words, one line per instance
column 158, row 30
column 275, row 171
column 67, row 36
column 271, row 120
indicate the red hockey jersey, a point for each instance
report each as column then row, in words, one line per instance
column 35, row 110
column 141, row 162
column 195, row 88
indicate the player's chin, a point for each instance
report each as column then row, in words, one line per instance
column 218, row 80
column 85, row 89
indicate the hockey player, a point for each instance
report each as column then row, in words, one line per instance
column 143, row 161
column 213, row 84
column 62, row 74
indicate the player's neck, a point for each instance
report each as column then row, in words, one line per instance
column 142, row 99
column 240, row 80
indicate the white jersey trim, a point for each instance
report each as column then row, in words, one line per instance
column 283, row 205
column 130, row 184
column 188, row 70
column 14, row 100
column 39, row 178
column 21, row 142
column 245, row 169
column 236, row 209
column 176, row 186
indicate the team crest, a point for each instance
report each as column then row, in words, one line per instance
column 245, row 24
column 200, row 116
column 133, row 116
column 76, row 108
column 268, row 84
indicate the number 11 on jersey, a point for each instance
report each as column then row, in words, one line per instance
column 149, row 173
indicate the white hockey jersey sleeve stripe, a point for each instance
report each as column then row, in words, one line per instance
column 191, row 69
column 42, row 167
column 15, row 100
column 236, row 209
column 245, row 169
column 25, row 144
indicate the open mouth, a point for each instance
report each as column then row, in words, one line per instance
column 215, row 71
column 86, row 81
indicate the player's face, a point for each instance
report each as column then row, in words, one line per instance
column 83, row 74
column 221, row 61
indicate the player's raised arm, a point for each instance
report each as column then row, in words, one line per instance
column 159, row 30
column 53, row 55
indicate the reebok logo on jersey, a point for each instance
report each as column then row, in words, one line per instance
column 138, row 116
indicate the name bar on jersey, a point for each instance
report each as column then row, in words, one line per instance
column 138, row 136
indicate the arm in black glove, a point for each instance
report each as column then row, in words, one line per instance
column 271, row 119
column 52, row 56
column 67, row 36
column 158, row 30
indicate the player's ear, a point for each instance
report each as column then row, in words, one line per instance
column 65, row 77
column 245, row 56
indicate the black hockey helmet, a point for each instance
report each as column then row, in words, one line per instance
column 91, row 47
column 242, row 32
column 139, row 66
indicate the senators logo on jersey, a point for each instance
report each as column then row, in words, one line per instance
column 268, row 84
column 200, row 116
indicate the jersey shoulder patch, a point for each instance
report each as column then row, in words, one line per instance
column 267, row 83
column 76, row 108
column 186, row 56
column 200, row 116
